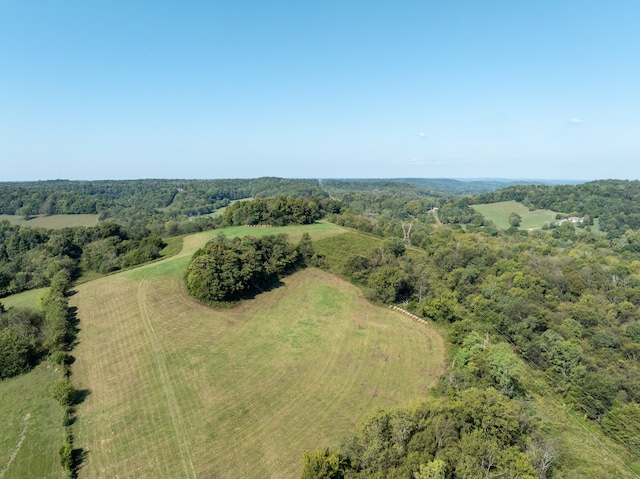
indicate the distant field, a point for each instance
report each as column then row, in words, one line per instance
column 53, row 221
column 31, row 431
column 499, row 214
column 182, row 390
column 219, row 211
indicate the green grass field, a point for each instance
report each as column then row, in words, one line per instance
column 499, row 214
column 53, row 221
column 182, row 390
column 31, row 431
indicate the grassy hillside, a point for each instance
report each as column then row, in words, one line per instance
column 182, row 390
column 499, row 214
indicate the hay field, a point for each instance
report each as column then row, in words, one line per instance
column 499, row 214
column 182, row 390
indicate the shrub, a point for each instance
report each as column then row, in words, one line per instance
column 63, row 392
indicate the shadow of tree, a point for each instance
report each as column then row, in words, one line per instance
column 78, row 455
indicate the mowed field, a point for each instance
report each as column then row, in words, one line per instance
column 178, row 389
column 31, row 433
column 52, row 221
column 499, row 214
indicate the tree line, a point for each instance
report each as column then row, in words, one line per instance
column 279, row 211
column 480, row 433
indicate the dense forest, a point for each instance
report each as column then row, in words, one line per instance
column 543, row 313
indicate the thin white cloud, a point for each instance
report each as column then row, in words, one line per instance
column 422, row 134
column 576, row 121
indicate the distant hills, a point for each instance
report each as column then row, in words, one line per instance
column 455, row 186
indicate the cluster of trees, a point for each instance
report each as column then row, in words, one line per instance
column 114, row 247
column 27, row 335
column 381, row 267
column 228, row 269
column 478, row 434
column 31, row 257
column 21, row 341
column 278, row 211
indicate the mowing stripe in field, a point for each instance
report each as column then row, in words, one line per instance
column 172, row 404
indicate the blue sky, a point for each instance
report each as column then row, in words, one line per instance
column 319, row 89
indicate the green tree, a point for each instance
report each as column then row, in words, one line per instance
column 622, row 423
column 323, row 464
column 435, row 469
column 63, row 392
column 393, row 247
column 305, row 247
column 389, row 284
column 16, row 352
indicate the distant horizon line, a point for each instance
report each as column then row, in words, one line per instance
column 339, row 178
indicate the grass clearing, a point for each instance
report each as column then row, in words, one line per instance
column 182, row 390
column 499, row 214
column 26, row 299
column 31, row 433
column 52, row 221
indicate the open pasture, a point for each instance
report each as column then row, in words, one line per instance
column 52, row 221
column 182, row 390
column 499, row 214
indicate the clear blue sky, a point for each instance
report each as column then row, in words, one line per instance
column 318, row 89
